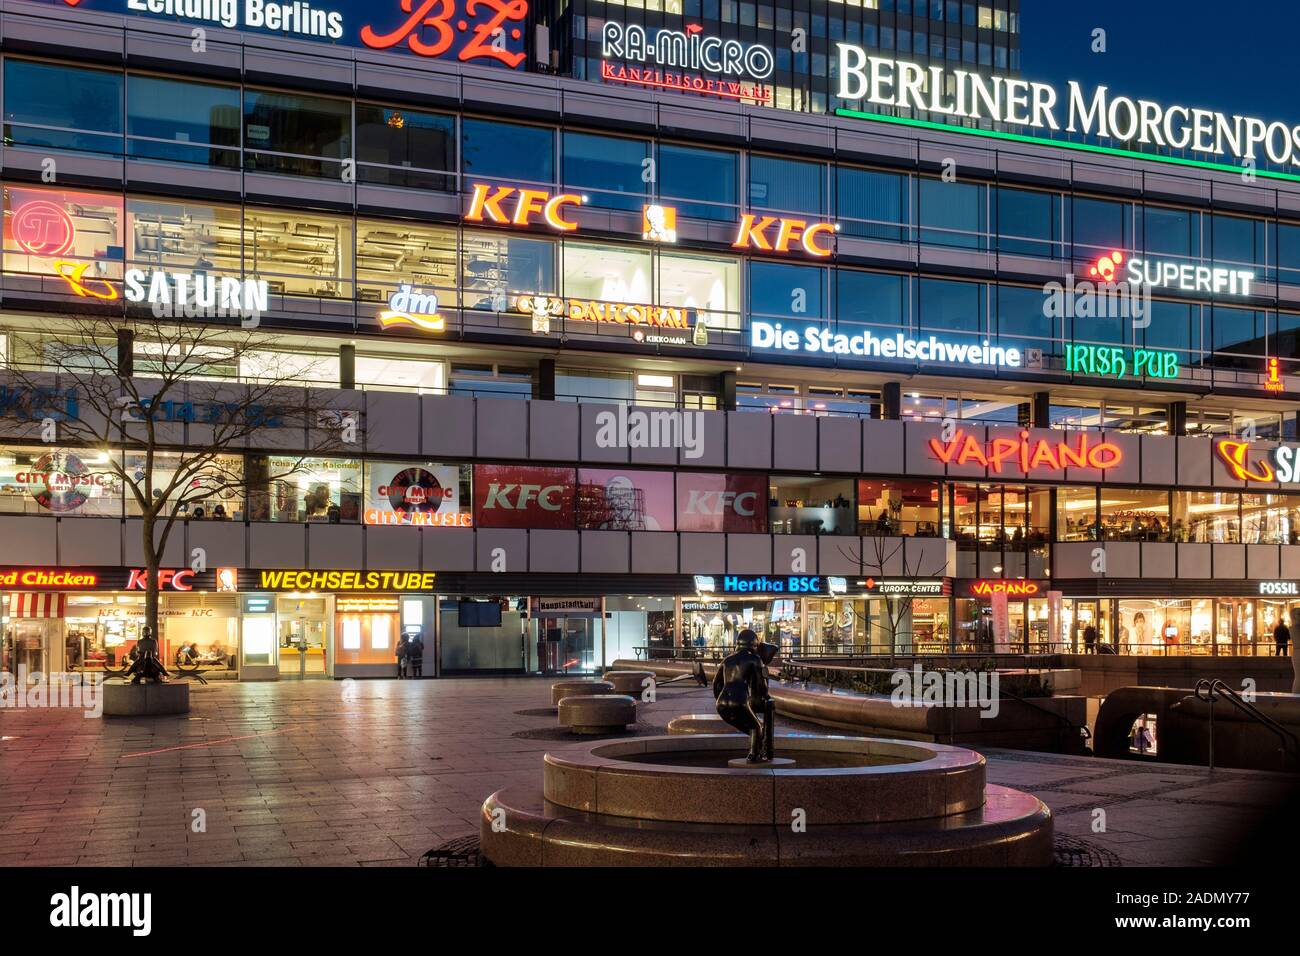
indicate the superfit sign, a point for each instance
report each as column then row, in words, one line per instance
column 721, row 502
column 482, row 32
column 514, row 496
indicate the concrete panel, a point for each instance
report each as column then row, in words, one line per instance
column 1159, row 460
column 338, row 405
column 589, row 450
column 392, row 423
column 883, row 445
column 447, row 426
column 512, row 541
column 703, row 553
column 1194, row 561
column 654, row 552
column 1255, row 454
column 90, row 541
column 448, row 549
column 749, row 440
column 1074, row 559
column 749, row 554
column 501, row 428
column 224, row 542
column 552, row 431
column 714, row 447
column 785, row 548
column 1289, row 561
column 884, row 557
column 839, row 444
column 1194, row 462
column 1123, row 559
column 794, row 442
column 1263, row 562
column 272, row 544
column 606, row 552
column 930, row 557
column 839, row 554
column 918, row 459
column 1229, row 561
column 34, row 537
column 394, row 549
column 552, row 550
column 334, row 546
column 1159, row 560
column 672, row 427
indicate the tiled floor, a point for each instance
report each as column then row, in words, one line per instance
column 377, row 772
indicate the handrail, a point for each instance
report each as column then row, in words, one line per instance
column 1215, row 688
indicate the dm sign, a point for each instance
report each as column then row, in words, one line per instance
column 485, row 32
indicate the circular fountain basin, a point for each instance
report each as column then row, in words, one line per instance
column 675, row 800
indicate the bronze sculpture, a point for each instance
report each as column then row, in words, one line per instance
column 740, row 687
column 146, row 666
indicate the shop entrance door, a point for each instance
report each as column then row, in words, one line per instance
column 303, row 646
column 565, row 645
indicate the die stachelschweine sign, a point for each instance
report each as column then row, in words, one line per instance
column 883, row 81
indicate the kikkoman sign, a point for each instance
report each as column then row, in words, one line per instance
column 884, row 81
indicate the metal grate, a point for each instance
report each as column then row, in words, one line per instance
column 462, row 851
column 1071, row 851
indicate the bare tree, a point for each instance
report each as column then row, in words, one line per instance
column 169, row 407
column 898, row 607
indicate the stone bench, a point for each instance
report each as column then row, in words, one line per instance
column 598, row 713
column 700, row 724
column 578, row 688
column 629, row 682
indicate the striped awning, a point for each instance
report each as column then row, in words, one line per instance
column 36, row 604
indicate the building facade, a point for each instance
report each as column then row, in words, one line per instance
column 635, row 364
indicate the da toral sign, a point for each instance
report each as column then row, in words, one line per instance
column 962, row 94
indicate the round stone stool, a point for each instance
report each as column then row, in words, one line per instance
column 629, row 682
column 578, row 688
column 700, row 724
column 598, row 713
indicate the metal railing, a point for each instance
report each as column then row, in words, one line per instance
column 1209, row 691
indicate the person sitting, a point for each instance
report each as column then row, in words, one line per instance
column 219, row 513
column 197, row 514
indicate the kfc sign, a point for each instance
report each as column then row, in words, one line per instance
column 717, row 502
column 757, row 232
column 512, row 496
column 516, row 206
column 138, row 580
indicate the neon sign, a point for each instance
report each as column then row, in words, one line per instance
column 1274, row 381
column 1029, row 454
column 1236, row 455
column 43, row 228
column 1112, row 361
column 684, row 82
column 689, row 49
column 659, row 223
column 542, row 308
column 415, row 309
column 73, row 273
column 138, row 580
column 485, row 206
column 762, row 584
column 1010, row 588
column 488, row 35
column 753, row 233
column 817, row 340
column 40, row 578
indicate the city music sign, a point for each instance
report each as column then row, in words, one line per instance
column 961, row 94
column 678, row 60
column 483, row 32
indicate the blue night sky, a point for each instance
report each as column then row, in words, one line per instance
column 1233, row 57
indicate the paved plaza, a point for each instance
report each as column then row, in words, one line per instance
column 375, row 773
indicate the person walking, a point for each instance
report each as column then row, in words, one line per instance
column 1282, row 637
column 403, row 655
column 1090, row 640
column 415, row 655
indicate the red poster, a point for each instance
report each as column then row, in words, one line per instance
column 523, row 496
column 614, row 500
column 716, row 502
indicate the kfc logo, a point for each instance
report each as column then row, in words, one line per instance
column 711, row 502
column 138, row 580
column 506, row 496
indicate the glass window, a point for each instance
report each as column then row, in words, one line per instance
column 1134, row 514
column 304, row 489
column 950, row 308
column 212, row 490
column 608, row 169
column 787, row 185
column 701, row 183
column 1172, row 231
column 1028, row 222
column 66, row 482
column 872, row 204
column 776, row 289
column 1099, row 226
column 1076, row 514
column 810, row 505
column 181, row 121
column 187, row 237
column 1269, row 519
column 392, row 254
column 495, row 268
column 404, row 147
column 1288, row 253
column 951, row 214
column 298, row 253
column 598, row 385
column 295, row 134
column 45, row 226
column 1208, row 517
column 708, row 284
column 1237, row 241
column 62, row 107
column 1174, row 325
column 522, row 154
column 1021, row 322
column 607, row 273
column 870, row 298
column 622, row 500
column 1239, row 330
column 421, row 494
column 898, row 508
